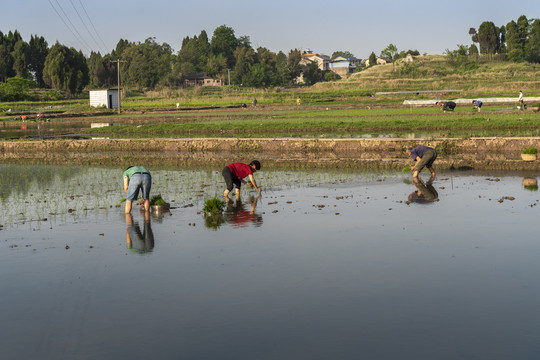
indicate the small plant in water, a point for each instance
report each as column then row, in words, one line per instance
column 213, row 206
column 530, row 150
column 406, row 169
column 157, row 200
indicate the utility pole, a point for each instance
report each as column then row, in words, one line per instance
column 118, row 61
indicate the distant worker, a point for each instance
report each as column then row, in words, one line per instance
column 298, row 101
column 254, row 102
column 477, row 104
column 446, row 105
column 234, row 175
column 424, row 157
column 137, row 178
column 520, row 99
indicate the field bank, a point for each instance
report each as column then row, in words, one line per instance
column 389, row 153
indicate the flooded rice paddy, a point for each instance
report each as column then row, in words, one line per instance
column 323, row 265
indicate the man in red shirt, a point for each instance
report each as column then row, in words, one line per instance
column 235, row 173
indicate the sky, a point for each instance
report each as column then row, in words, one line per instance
column 324, row 27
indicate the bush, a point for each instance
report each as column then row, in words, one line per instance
column 530, row 150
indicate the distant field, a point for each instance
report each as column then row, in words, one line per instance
column 347, row 108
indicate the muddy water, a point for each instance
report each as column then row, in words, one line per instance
column 321, row 266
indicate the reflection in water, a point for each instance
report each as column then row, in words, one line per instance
column 530, row 184
column 425, row 192
column 136, row 241
column 237, row 213
column 242, row 215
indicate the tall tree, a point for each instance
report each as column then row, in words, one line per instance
column 65, row 69
column 488, row 37
column 532, row 48
column 293, row 62
column 223, row 43
column 389, row 52
column 21, row 56
column 245, row 59
column 372, row 59
column 38, row 53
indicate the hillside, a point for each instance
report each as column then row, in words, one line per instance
column 433, row 72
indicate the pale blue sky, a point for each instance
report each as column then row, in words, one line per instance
column 322, row 26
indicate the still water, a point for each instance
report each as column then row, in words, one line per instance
column 321, row 266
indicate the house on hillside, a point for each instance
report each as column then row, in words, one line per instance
column 309, row 57
column 342, row 65
column 107, row 98
column 201, row 79
column 380, row 61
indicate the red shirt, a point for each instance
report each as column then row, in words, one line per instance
column 240, row 170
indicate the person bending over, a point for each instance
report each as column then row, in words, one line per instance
column 234, row 175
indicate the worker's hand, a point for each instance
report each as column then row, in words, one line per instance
column 260, row 189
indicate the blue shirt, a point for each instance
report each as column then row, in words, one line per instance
column 419, row 151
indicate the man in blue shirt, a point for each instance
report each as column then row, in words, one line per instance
column 137, row 178
column 477, row 104
column 424, row 157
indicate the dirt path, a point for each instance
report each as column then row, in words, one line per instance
column 475, row 153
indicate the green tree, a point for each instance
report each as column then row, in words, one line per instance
column 293, row 62
column 312, row 73
column 102, row 71
column 223, row 43
column 389, row 52
column 245, row 59
column 532, row 48
column 15, row 89
column 473, row 51
column 147, row 64
column 6, row 62
column 331, row 76
column 216, row 65
column 512, row 36
column 372, row 59
column 488, row 37
column 65, row 69
column 21, row 56
column 283, row 72
column 38, row 50
column 346, row 54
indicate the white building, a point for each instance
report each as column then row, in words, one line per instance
column 107, row 98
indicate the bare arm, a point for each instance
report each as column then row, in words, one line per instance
column 126, row 184
column 252, row 179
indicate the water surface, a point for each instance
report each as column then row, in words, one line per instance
column 321, row 266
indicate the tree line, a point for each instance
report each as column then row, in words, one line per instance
column 519, row 40
column 150, row 65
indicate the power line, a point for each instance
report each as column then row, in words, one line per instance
column 91, row 23
column 86, row 27
column 74, row 28
column 61, row 18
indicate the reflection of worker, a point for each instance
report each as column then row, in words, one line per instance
column 424, row 157
column 234, row 175
column 137, row 178
column 425, row 193
column 446, row 105
column 137, row 241
column 477, row 104
column 239, row 216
